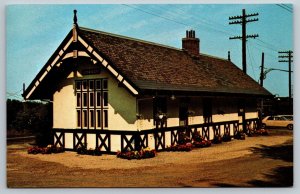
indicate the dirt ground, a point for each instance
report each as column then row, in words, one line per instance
column 264, row 161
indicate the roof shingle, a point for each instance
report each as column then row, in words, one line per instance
column 154, row 66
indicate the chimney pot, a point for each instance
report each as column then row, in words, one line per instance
column 191, row 43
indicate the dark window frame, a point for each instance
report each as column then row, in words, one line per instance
column 85, row 91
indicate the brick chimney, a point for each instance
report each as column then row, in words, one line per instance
column 190, row 43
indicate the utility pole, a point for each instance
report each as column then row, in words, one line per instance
column 262, row 69
column 243, row 20
column 284, row 55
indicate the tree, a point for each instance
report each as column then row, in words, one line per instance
column 31, row 117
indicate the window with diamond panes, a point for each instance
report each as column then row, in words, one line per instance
column 92, row 103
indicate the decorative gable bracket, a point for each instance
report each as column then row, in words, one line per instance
column 60, row 54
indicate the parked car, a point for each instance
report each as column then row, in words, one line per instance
column 277, row 121
column 289, row 117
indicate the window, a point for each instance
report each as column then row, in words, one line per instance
column 92, row 103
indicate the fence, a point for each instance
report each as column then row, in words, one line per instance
column 111, row 141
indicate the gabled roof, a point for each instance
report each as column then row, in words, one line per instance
column 152, row 66
column 145, row 66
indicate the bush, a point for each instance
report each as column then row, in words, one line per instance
column 202, row 144
column 240, row 135
column 262, row 132
column 183, row 138
column 142, row 154
column 217, row 139
column 252, row 133
column 180, row 148
column 196, row 137
column 84, row 151
column 45, row 150
column 81, row 150
column 226, row 138
column 56, row 150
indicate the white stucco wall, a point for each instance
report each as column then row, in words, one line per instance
column 223, row 109
column 121, row 104
column 64, row 101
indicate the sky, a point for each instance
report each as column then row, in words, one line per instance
column 33, row 32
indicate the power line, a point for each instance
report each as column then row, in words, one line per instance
column 259, row 47
column 205, row 22
column 243, row 19
column 264, row 46
column 268, row 44
column 181, row 23
column 251, row 62
column 283, row 7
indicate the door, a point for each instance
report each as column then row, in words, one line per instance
column 159, row 112
column 183, row 111
column 183, row 116
column 207, row 110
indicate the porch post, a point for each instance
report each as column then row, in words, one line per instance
column 137, row 141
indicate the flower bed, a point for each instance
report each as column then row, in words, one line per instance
column 240, row 135
column 255, row 133
column 180, row 148
column 202, row 144
column 45, row 150
column 261, row 132
column 84, row 151
column 199, row 141
column 142, row 154
column 226, row 138
column 217, row 139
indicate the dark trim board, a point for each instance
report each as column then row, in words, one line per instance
column 136, row 140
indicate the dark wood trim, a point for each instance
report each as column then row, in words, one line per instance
column 249, row 122
column 144, row 140
column 111, row 64
column 135, row 140
column 159, row 140
column 101, row 142
column 174, row 137
column 203, row 93
column 205, row 132
column 217, row 130
column 53, row 56
column 88, row 91
column 81, row 141
column 227, row 129
column 60, row 139
column 129, row 142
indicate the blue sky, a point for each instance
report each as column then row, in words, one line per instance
column 33, row 32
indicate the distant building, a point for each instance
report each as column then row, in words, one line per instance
column 114, row 92
column 278, row 106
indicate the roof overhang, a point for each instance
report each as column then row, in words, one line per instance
column 203, row 93
column 62, row 53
